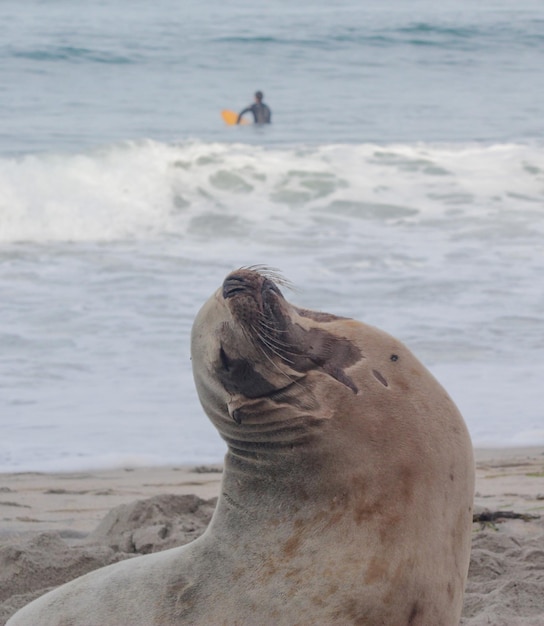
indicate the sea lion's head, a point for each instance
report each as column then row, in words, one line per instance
column 254, row 353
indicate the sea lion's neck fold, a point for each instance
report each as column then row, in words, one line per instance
column 264, row 480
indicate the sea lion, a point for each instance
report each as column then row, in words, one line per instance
column 347, row 491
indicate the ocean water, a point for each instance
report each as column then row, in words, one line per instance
column 401, row 183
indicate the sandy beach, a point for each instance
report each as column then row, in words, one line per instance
column 54, row 527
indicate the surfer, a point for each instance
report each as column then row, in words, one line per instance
column 261, row 112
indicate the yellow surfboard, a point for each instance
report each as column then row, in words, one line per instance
column 230, row 118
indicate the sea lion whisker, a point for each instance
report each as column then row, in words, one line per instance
column 275, row 340
column 275, row 331
column 264, row 340
column 281, row 348
column 263, row 323
column 277, row 367
column 272, row 273
column 256, row 338
column 280, row 351
column 262, row 346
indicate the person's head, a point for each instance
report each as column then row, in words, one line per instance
column 259, row 96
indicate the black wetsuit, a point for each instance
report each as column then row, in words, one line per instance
column 261, row 113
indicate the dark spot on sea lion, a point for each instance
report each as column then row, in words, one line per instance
column 452, row 477
column 331, row 353
column 237, row 416
column 291, row 546
column 394, row 357
column 239, row 376
column 354, row 612
column 341, row 377
column 224, row 359
column 414, row 613
column 377, row 571
column 185, row 594
column 380, row 378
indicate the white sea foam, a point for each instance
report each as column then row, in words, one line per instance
column 146, row 190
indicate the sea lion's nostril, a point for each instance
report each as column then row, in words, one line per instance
column 269, row 285
column 232, row 285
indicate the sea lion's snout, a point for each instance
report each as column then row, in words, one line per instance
column 248, row 282
column 275, row 331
